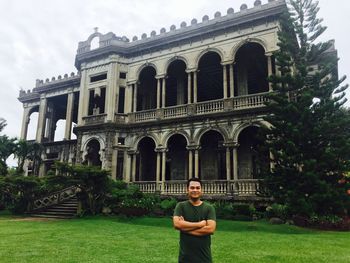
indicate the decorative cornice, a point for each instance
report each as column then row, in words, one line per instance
column 110, row 44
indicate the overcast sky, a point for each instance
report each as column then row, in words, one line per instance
column 39, row 38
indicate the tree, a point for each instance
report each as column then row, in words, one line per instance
column 27, row 151
column 7, row 147
column 2, row 124
column 309, row 137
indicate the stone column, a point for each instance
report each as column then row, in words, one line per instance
column 135, row 97
column 128, row 99
column 269, row 67
column 196, row 163
column 235, row 162
column 158, row 178
column 69, row 116
column 133, row 169
column 190, row 164
column 83, row 97
column 127, row 166
column 164, row 92
column 112, row 91
column 228, row 163
column 189, row 87
column 158, row 93
column 232, row 82
column 224, row 79
column 163, row 164
column 41, row 120
column 114, row 163
column 25, row 123
column 195, row 87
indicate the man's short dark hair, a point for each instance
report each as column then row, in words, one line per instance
column 194, row 180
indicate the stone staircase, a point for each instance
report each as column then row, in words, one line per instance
column 64, row 210
column 60, row 205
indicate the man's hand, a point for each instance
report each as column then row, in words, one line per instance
column 208, row 229
column 181, row 224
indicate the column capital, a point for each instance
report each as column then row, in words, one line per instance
column 161, row 76
column 190, row 70
column 193, row 147
column 268, row 54
column 161, row 150
column 131, row 82
column 227, row 62
column 132, row 152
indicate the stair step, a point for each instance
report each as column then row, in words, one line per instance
column 52, row 216
column 55, row 213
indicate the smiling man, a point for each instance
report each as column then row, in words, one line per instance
column 196, row 221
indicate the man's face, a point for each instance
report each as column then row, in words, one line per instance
column 194, row 190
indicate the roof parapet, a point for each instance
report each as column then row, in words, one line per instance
column 111, row 39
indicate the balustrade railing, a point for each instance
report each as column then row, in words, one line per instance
column 207, row 107
column 249, row 101
column 174, row 187
column 54, row 198
column 244, row 187
column 148, row 115
column 147, row 187
column 177, row 111
column 210, row 106
column 247, row 187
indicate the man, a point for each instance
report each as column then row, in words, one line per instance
column 196, row 221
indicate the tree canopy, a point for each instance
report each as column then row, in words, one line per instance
column 309, row 137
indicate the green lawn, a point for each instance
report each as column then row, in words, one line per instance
column 111, row 239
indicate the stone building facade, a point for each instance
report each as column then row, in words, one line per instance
column 173, row 105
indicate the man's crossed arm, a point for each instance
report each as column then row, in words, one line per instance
column 201, row 228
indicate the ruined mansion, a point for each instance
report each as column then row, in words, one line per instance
column 164, row 107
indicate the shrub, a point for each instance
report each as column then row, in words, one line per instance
column 277, row 210
column 224, row 209
column 168, row 206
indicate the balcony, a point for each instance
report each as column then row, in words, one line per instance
column 223, row 105
column 240, row 188
column 94, row 119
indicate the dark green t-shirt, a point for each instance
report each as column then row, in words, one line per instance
column 194, row 249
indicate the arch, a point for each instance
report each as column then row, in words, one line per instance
column 210, row 78
column 146, row 160
column 172, row 133
column 94, row 137
column 33, row 109
column 33, row 118
column 59, row 131
column 251, row 159
column 145, row 65
column 246, row 41
column 177, row 158
column 93, row 153
column 205, row 51
column 171, row 60
column 245, row 125
column 139, row 138
column 147, row 89
column 94, row 40
column 220, row 130
column 212, row 156
column 176, row 83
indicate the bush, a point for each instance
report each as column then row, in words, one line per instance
column 18, row 192
column 243, row 209
column 168, row 206
column 277, row 210
column 224, row 210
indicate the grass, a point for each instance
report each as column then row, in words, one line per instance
column 112, row 239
